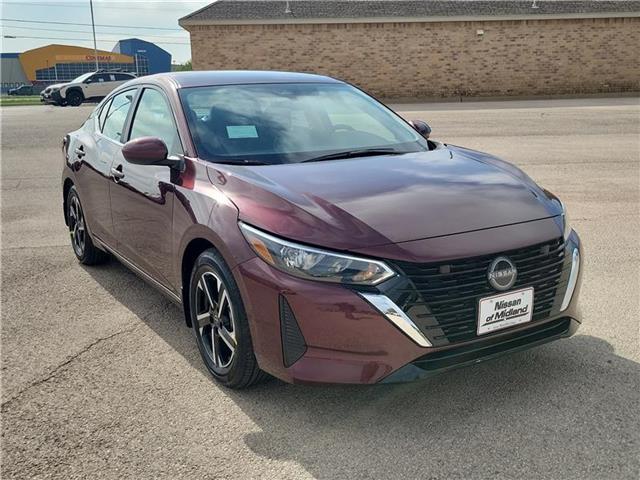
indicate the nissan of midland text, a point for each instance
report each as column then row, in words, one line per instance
column 310, row 233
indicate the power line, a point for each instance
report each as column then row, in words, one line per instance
column 80, row 31
column 21, row 20
column 100, row 5
column 82, row 39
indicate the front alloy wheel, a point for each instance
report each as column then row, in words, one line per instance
column 220, row 323
column 216, row 321
column 74, row 98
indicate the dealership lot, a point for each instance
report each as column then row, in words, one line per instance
column 100, row 378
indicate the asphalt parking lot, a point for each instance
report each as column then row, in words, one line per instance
column 100, row 378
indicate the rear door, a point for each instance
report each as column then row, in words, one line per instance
column 105, row 85
column 142, row 197
column 111, row 82
column 117, row 79
column 92, row 152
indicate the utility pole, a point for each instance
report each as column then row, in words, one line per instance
column 95, row 45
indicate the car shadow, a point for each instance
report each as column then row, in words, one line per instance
column 564, row 410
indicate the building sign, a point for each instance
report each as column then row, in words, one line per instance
column 92, row 58
column 101, row 58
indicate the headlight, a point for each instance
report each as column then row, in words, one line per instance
column 54, row 89
column 565, row 221
column 315, row 264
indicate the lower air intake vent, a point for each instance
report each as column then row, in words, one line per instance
column 293, row 344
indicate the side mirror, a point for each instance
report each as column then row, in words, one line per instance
column 88, row 80
column 149, row 151
column 421, row 127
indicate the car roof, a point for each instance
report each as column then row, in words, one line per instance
column 231, row 77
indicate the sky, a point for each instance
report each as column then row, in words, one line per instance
column 127, row 17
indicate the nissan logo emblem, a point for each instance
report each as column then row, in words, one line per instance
column 502, row 273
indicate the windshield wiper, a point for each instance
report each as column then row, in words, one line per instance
column 240, row 162
column 365, row 152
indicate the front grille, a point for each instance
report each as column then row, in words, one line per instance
column 442, row 298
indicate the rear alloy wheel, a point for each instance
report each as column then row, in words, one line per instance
column 220, row 323
column 77, row 227
column 74, row 98
column 81, row 242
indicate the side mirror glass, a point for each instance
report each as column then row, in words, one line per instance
column 148, row 151
column 88, row 80
column 421, row 127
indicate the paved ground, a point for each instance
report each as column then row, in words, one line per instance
column 101, row 380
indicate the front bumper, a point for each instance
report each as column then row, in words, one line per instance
column 347, row 340
column 485, row 349
column 53, row 98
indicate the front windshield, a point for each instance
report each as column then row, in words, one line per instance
column 290, row 123
column 82, row 77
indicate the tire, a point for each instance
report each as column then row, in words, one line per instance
column 75, row 98
column 84, row 249
column 221, row 327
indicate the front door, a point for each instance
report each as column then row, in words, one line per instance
column 142, row 196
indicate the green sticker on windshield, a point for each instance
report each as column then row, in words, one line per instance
column 242, row 131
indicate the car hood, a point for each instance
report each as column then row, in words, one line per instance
column 372, row 201
column 55, row 85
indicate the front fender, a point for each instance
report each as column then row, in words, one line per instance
column 203, row 217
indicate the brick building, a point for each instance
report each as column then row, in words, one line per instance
column 433, row 48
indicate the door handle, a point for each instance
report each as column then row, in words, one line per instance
column 117, row 173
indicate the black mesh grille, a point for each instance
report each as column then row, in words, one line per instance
column 293, row 344
column 442, row 298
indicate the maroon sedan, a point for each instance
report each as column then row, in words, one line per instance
column 311, row 233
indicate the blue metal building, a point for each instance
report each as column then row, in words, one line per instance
column 149, row 58
column 11, row 72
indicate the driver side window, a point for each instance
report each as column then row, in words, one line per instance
column 154, row 118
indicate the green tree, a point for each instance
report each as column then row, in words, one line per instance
column 184, row 67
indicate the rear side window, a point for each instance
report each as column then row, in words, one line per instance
column 122, row 77
column 103, row 77
column 117, row 114
column 153, row 118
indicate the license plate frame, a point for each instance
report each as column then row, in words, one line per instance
column 511, row 310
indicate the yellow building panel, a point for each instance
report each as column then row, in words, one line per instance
column 46, row 57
